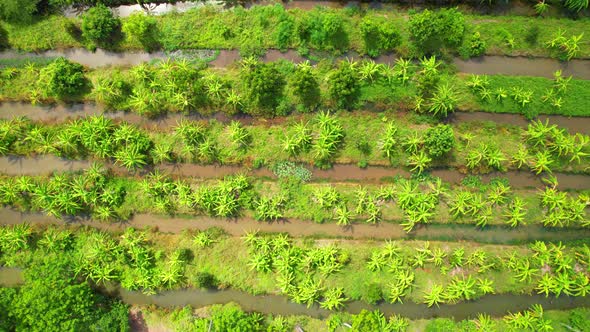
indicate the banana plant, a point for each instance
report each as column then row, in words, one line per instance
column 516, row 212
column 389, row 141
column 435, row 296
column 334, row 299
column 239, row 135
column 419, row 162
column 443, row 101
column 542, row 162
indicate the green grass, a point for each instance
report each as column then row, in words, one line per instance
column 255, row 29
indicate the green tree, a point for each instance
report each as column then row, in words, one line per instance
column 304, row 84
column 264, row 86
column 344, row 86
column 378, row 36
column 99, row 25
column 431, row 30
column 18, row 11
column 439, row 140
column 143, row 28
column 62, row 78
column 53, row 300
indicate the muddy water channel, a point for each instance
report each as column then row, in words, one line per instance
column 494, row 305
column 297, row 228
column 490, row 65
column 61, row 112
column 47, row 164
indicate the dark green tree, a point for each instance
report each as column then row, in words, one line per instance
column 345, row 86
column 18, row 11
column 378, row 36
column 143, row 28
column 431, row 30
column 304, row 85
column 264, row 85
column 62, row 78
column 99, row 25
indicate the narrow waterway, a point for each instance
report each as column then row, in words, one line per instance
column 239, row 226
column 493, row 305
column 489, row 65
column 48, row 164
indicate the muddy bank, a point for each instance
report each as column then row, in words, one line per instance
column 48, row 164
column 61, row 112
column 489, row 65
column 572, row 124
column 493, row 305
column 297, row 228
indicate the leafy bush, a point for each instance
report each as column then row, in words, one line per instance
column 18, row 11
column 62, row 78
column 142, row 28
column 378, row 36
column 304, row 85
column 345, row 86
column 264, row 86
column 431, row 30
column 99, row 25
column 285, row 29
column 323, row 30
column 474, row 46
column 439, row 140
column 231, row 318
column 205, row 280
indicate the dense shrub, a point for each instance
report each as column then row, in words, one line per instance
column 143, row 28
column 439, row 140
column 305, row 87
column 323, row 30
column 264, row 86
column 431, row 30
column 284, row 33
column 62, row 78
column 344, row 86
column 99, row 25
column 474, row 46
column 378, row 36
column 367, row 321
column 52, row 299
column 18, row 11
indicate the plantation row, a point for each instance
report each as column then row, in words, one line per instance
column 279, row 88
column 307, row 272
column 408, row 202
column 332, row 30
column 531, row 319
column 320, row 140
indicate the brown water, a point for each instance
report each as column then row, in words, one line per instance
column 298, row 228
column 47, row 164
column 494, row 305
column 491, row 65
column 542, row 67
column 573, row 124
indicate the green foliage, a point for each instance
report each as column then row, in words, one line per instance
column 576, row 5
column 18, row 11
column 378, row 36
column 566, row 48
column 232, row 318
column 288, row 169
column 62, row 78
column 304, row 85
column 439, row 140
column 431, row 30
column 344, row 86
column 264, row 86
column 99, row 25
column 323, row 29
column 143, row 28
column 474, row 46
column 53, row 300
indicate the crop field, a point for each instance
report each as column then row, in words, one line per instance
column 296, row 166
